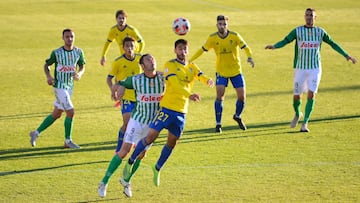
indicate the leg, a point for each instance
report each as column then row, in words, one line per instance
column 240, row 104
column 48, row 121
column 308, row 110
column 218, row 105
column 165, row 154
column 127, row 108
column 298, row 114
column 68, row 124
column 140, row 147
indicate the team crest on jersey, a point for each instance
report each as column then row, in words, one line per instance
column 124, row 66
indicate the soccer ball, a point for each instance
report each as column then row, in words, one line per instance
column 181, row 26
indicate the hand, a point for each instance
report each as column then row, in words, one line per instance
column 195, row 97
column 270, row 47
column 210, row 83
column 102, row 60
column 251, row 62
column 117, row 91
column 352, row 59
column 77, row 76
column 50, row 80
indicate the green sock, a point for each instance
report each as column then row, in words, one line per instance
column 114, row 164
column 68, row 123
column 134, row 169
column 297, row 105
column 308, row 109
column 46, row 123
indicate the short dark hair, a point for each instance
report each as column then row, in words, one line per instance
column 310, row 9
column 222, row 17
column 128, row 39
column 141, row 61
column 67, row 30
column 181, row 41
column 120, row 12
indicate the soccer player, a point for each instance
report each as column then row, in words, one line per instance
column 179, row 80
column 124, row 66
column 118, row 32
column 226, row 45
column 307, row 65
column 66, row 59
column 149, row 87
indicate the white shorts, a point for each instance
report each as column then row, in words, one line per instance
column 305, row 80
column 63, row 99
column 135, row 131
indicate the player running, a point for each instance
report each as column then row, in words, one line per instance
column 179, row 80
column 226, row 45
column 149, row 87
column 66, row 60
column 124, row 66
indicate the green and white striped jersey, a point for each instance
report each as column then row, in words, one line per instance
column 308, row 46
column 65, row 66
column 148, row 93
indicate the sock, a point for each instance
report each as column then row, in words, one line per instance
column 68, row 123
column 134, row 169
column 46, row 123
column 218, row 111
column 239, row 108
column 114, row 164
column 308, row 109
column 165, row 154
column 120, row 140
column 140, row 146
column 297, row 105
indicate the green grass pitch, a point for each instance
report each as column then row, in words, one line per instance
column 267, row 163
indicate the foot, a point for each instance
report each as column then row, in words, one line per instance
column 304, row 128
column 295, row 120
column 242, row 126
column 33, row 136
column 127, row 187
column 127, row 171
column 102, row 189
column 156, row 178
column 218, row 129
column 71, row 144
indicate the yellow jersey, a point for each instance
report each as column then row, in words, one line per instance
column 122, row 68
column 179, row 81
column 116, row 34
column 227, row 52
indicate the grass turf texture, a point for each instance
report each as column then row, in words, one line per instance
column 269, row 162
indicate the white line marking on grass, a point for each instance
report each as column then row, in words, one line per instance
column 212, row 4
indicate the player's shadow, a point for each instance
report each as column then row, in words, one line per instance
column 54, row 150
column 7, row 173
column 254, row 130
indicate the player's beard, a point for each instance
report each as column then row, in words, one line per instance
column 181, row 57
